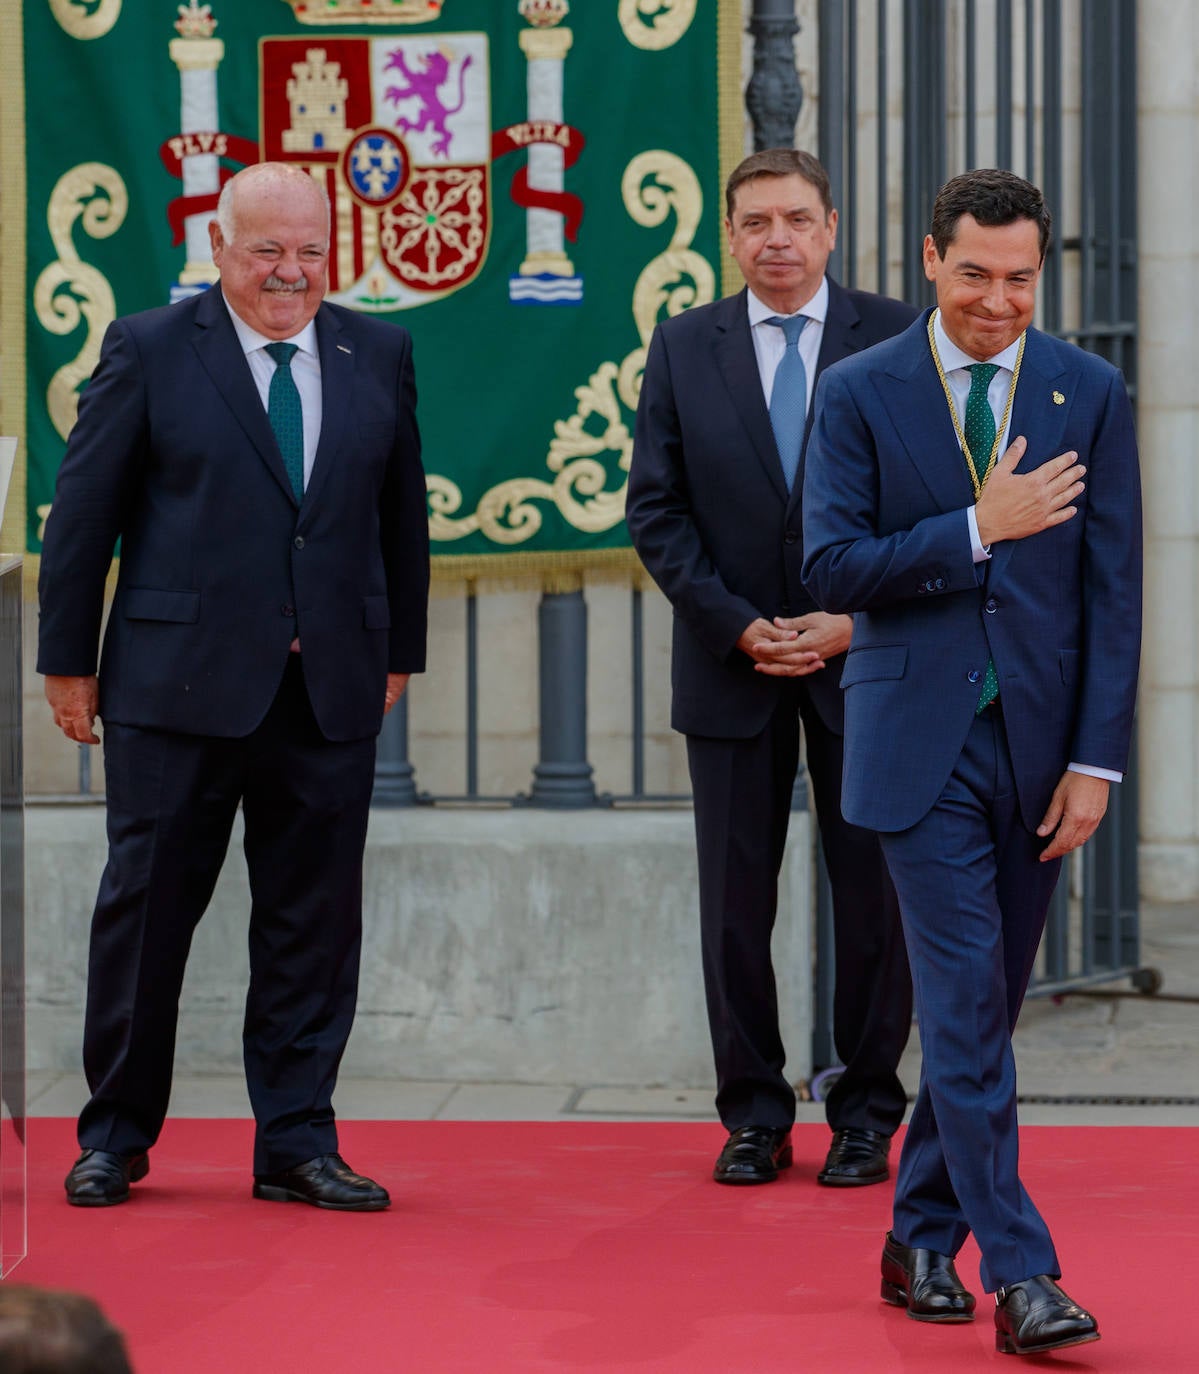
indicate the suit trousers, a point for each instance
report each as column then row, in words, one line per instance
column 742, row 793
column 172, row 799
column 974, row 897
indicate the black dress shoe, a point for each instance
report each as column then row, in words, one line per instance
column 855, row 1158
column 924, row 1282
column 753, row 1154
column 326, row 1181
column 1035, row 1315
column 101, row 1178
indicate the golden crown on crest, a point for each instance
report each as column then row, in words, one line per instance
column 544, row 14
column 366, row 11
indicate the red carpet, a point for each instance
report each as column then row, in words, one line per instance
column 590, row 1246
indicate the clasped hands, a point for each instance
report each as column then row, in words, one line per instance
column 797, row 645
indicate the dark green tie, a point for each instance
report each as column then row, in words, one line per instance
column 979, row 430
column 286, row 415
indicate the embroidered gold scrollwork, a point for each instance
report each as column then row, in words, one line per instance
column 655, row 185
column 70, row 291
column 85, row 21
column 655, row 24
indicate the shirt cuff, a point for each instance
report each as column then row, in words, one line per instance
column 980, row 550
column 1110, row 774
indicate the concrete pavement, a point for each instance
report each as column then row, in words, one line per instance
column 1110, row 1056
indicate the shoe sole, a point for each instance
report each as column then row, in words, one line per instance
column 136, row 1173
column 1006, row 1346
column 894, row 1296
column 269, row 1192
column 846, row 1181
column 743, row 1180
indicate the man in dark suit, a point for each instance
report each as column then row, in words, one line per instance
column 988, row 704
column 256, row 453
column 713, row 510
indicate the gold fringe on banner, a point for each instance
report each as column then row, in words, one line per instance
column 562, row 571
column 731, row 107
column 12, row 266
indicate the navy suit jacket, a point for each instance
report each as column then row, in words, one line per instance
column 885, row 498
column 219, row 570
column 708, row 509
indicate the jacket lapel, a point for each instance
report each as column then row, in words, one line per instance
column 838, row 341
column 734, row 351
column 915, row 402
column 337, row 377
column 221, row 355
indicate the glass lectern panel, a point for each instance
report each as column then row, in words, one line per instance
column 12, row 926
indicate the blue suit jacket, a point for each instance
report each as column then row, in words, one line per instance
column 708, row 509
column 885, row 529
column 173, row 453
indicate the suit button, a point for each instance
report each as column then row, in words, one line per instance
column 784, row 609
column 940, row 584
column 974, row 675
column 287, row 610
column 299, row 541
column 990, row 605
column 790, row 537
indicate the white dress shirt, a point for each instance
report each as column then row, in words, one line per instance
column 770, row 345
column 305, row 369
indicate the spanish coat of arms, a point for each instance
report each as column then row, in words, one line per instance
column 398, row 129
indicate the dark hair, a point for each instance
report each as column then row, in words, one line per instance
column 994, row 198
column 43, row 1331
column 779, row 162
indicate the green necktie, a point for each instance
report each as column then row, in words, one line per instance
column 979, row 430
column 286, row 415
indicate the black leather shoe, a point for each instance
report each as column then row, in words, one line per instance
column 100, row 1178
column 326, row 1181
column 1035, row 1315
column 924, row 1282
column 855, row 1158
column 753, row 1154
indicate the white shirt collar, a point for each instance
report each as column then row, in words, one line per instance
column 250, row 338
column 816, row 308
column 952, row 356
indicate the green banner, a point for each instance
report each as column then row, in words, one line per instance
column 527, row 187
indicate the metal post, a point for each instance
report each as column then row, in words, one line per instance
column 832, row 121
column 824, row 1050
column 395, row 777
column 562, row 778
column 774, row 95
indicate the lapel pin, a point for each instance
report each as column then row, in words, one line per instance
column 1058, row 399
column 341, row 348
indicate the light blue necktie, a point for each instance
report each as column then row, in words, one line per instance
column 789, row 396
column 286, row 415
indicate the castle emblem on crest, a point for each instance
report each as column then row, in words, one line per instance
column 398, row 131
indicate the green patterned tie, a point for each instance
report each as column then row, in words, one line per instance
column 286, row 416
column 979, row 430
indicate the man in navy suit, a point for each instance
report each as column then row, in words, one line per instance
column 256, row 453
column 989, row 694
column 713, row 509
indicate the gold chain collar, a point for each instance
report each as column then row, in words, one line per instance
column 978, row 482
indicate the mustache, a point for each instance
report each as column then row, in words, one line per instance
column 273, row 283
